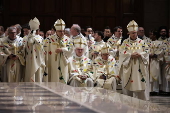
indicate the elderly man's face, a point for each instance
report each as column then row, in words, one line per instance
column 67, row 33
column 105, row 56
column 73, row 31
column 141, row 31
column 60, row 33
column 12, row 34
column 133, row 35
column 79, row 51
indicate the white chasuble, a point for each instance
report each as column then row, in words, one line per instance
column 135, row 71
column 80, row 66
column 106, row 68
column 12, row 70
column 34, row 55
column 57, row 63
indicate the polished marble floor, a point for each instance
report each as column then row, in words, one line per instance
column 60, row 98
column 161, row 100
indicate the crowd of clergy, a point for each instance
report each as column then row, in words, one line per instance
column 138, row 63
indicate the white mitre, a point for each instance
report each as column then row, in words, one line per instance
column 79, row 43
column 34, row 24
column 105, row 48
column 132, row 26
column 59, row 24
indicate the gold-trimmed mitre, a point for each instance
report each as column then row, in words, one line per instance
column 79, row 43
column 59, row 24
column 132, row 26
column 105, row 48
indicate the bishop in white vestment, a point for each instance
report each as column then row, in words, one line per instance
column 57, row 51
column 80, row 67
column 11, row 55
column 134, row 61
column 76, row 34
column 104, row 70
column 34, row 54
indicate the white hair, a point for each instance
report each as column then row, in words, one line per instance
column 68, row 30
column 77, row 28
column 11, row 28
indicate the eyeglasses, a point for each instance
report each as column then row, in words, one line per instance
column 163, row 31
column 120, row 31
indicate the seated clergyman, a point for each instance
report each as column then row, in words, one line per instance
column 104, row 68
column 79, row 66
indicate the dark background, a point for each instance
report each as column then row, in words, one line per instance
column 97, row 13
